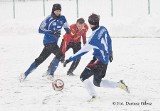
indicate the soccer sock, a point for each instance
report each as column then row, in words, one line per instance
column 90, row 87
column 109, row 84
column 49, row 67
column 30, row 69
column 54, row 66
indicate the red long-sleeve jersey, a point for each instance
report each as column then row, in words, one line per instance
column 75, row 36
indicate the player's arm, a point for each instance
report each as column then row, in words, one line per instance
column 43, row 28
column 66, row 40
column 84, row 37
column 81, row 52
column 66, row 26
column 87, row 47
column 109, row 41
column 84, row 34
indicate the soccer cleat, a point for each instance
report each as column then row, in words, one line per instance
column 50, row 77
column 45, row 74
column 123, row 86
column 48, row 70
column 92, row 99
column 22, row 77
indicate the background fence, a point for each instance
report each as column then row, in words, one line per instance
column 123, row 18
column 24, row 8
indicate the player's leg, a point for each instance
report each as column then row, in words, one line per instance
column 111, row 84
column 44, row 54
column 49, row 67
column 86, row 74
column 76, row 47
column 100, row 72
column 58, row 57
column 101, row 69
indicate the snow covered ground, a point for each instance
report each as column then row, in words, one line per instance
column 136, row 61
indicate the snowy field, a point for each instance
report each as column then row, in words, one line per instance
column 136, row 61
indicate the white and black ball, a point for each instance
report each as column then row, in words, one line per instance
column 58, row 85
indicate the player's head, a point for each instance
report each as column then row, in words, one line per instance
column 56, row 9
column 93, row 19
column 80, row 23
column 80, row 20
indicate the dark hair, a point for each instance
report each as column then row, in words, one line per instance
column 80, row 20
column 93, row 19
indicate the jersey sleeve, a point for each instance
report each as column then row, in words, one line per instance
column 73, row 29
column 87, row 47
column 43, row 26
column 65, row 25
column 84, row 34
column 109, row 41
column 66, row 39
column 84, row 37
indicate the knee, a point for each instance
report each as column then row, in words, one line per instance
column 83, row 78
column 39, row 60
column 59, row 56
column 85, row 75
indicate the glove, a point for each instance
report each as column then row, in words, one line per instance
column 65, row 63
column 56, row 33
column 62, row 59
column 111, row 57
column 68, row 31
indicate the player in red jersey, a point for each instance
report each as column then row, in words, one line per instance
column 73, row 41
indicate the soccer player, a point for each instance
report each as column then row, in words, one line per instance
column 51, row 28
column 101, row 44
column 73, row 40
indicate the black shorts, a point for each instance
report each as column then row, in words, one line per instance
column 76, row 46
column 46, row 52
column 95, row 68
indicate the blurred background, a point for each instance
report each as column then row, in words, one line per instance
column 125, row 18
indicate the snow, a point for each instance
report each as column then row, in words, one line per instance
column 136, row 61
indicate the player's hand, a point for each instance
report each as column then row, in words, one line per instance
column 65, row 63
column 62, row 59
column 68, row 31
column 56, row 33
column 111, row 57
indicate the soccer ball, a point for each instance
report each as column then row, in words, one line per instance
column 58, row 85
